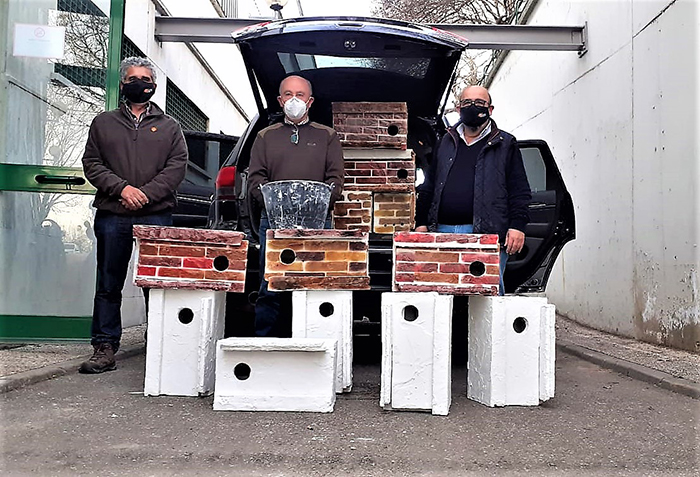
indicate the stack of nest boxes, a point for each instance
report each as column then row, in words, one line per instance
column 189, row 272
column 511, row 339
column 321, row 268
column 380, row 173
column 304, row 372
column 428, row 269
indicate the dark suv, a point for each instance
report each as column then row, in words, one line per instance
column 362, row 59
column 207, row 153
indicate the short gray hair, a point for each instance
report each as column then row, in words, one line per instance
column 138, row 62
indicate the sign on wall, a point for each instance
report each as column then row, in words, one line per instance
column 39, row 41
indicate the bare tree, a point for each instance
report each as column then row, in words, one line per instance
column 86, row 37
column 471, row 70
column 448, row 11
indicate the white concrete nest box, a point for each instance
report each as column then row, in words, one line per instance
column 511, row 353
column 275, row 374
column 416, row 351
column 183, row 328
column 327, row 315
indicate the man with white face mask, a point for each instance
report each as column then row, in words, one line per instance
column 295, row 149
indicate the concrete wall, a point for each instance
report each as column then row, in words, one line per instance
column 177, row 63
column 622, row 122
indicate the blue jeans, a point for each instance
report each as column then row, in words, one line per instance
column 115, row 242
column 273, row 310
column 468, row 229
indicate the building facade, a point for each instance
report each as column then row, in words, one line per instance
column 622, row 122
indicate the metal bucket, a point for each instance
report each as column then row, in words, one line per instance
column 296, row 204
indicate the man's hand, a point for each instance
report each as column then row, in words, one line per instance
column 421, row 228
column 133, row 198
column 515, row 239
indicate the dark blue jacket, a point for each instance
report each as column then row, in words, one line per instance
column 501, row 190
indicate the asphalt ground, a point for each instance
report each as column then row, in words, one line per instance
column 599, row 423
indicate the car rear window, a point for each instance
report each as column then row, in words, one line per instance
column 295, row 62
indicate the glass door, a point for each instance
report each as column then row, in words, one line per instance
column 58, row 71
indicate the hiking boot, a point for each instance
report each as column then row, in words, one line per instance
column 102, row 360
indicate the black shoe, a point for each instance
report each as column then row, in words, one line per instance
column 102, row 360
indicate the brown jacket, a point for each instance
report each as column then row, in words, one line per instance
column 151, row 157
column 317, row 156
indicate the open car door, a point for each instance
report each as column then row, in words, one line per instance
column 551, row 221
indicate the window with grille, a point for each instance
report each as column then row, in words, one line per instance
column 86, row 39
column 130, row 49
column 84, row 7
column 229, row 7
column 179, row 106
column 80, row 75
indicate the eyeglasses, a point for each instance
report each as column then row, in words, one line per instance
column 465, row 103
column 295, row 136
column 145, row 79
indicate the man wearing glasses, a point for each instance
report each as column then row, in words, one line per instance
column 476, row 182
column 295, row 149
column 135, row 157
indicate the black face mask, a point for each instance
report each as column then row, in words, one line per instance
column 474, row 116
column 138, row 91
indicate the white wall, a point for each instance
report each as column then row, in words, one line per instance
column 178, row 63
column 622, row 122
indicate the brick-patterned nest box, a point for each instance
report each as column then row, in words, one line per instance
column 393, row 212
column 380, row 170
column 457, row 264
column 195, row 259
column 378, row 212
column 316, row 260
column 366, row 124
column 354, row 211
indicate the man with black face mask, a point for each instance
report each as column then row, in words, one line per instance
column 476, row 182
column 135, row 157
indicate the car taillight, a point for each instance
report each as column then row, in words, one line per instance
column 225, row 182
column 449, row 33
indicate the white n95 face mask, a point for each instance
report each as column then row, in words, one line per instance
column 295, row 109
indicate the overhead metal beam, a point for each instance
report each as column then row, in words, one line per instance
column 200, row 30
column 520, row 37
column 499, row 37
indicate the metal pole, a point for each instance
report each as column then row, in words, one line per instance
column 116, row 32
